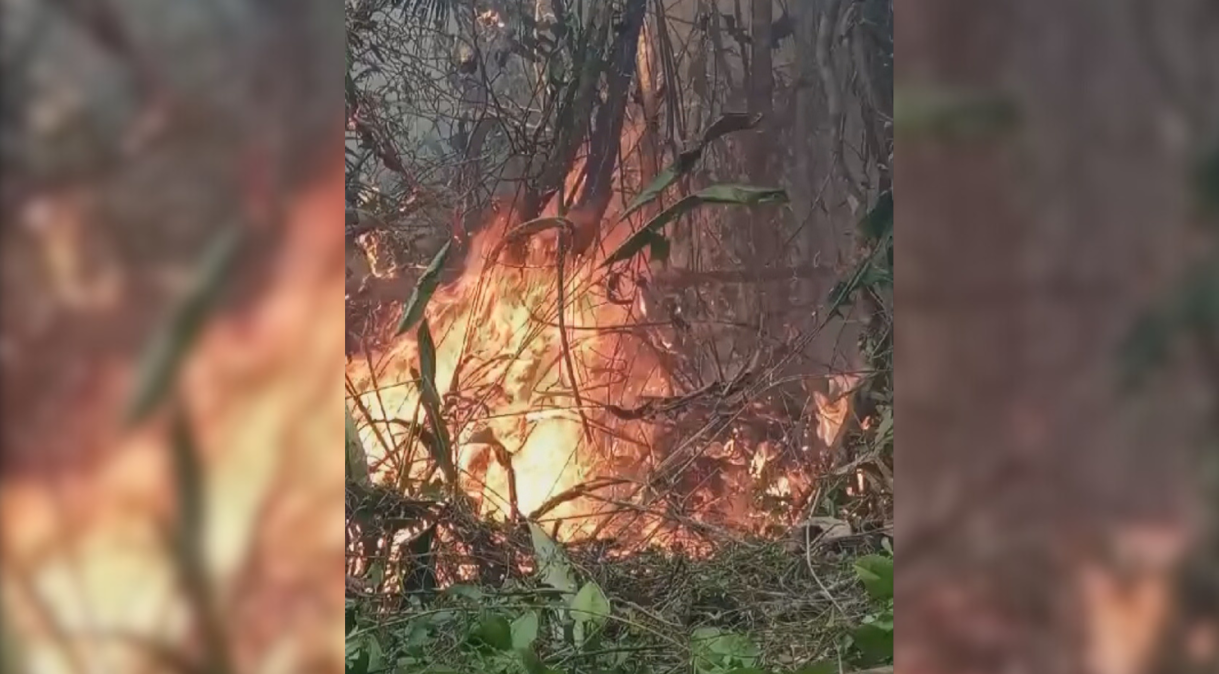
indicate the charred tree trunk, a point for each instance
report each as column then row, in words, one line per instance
column 650, row 148
column 761, row 86
column 759, row 225
column 605, row 142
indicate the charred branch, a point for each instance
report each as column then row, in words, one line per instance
column 605, row 143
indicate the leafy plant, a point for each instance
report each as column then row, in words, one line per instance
column 650, row 233
column 871, row 641
column 715, row 651
column 159, row 368
column 650, row 236
column 412, row 312
column 687, row 160
column 953, row 114
column 440, row 446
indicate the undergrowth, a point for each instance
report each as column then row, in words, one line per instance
column 753, row 607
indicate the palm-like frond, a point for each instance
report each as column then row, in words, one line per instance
column 437, row 11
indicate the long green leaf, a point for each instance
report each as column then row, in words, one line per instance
column 742, row 195
column 953, row 113
column 357, row 459
column 529, row 229
column 187, row 538
column 686, row 161
column 188, row 483
column 879, row 221
column 423, row 291
column 160, row 366
column 440, row 445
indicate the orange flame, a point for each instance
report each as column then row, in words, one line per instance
column 501, row 366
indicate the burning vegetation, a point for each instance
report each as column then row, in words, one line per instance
column 537, row 385
column 596, row 344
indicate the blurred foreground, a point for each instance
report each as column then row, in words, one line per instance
column 1052, row 244
column 135, row 138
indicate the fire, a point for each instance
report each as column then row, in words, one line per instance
column 502, row 369
column 89, row 581
column 531, row 439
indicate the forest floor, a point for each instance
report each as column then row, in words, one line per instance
column 530, row 605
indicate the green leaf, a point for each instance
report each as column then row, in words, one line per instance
column 357, row 459
column 376, row 657
column 495, row 631
column 660, row 183
column 532, row 663
column 876, row 573
column 418, row 634
column 412, row 312
column 703, row 656
column 440, row 445
column 188, row 483
column 357, row 659
column 161, row 363
column 364, row 656
column 427, row 358
column 553, row 566
column 953, row 114
column 469, row 592
column 590, row 605
column 879, row 221
column 525, row 630
column 874, row 642
column 730, row 123
column 686, row 161
column 822, row 667
column 741, row 195
column 733, row 649
column 884, row 430
column 658, row 247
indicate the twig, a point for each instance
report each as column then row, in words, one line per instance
column 376, row 387
column 808, row 561
column 583, row 489
column 563, row 342
column 359, row 403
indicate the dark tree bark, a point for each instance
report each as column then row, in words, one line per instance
column 761, row 86
column 606, row 140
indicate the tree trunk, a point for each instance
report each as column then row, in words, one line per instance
column 606, row 140
column 761, row 86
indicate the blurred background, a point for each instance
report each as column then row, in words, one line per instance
column 172, row 190
column 1056, row 166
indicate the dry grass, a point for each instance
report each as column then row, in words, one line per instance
column 795, row 605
